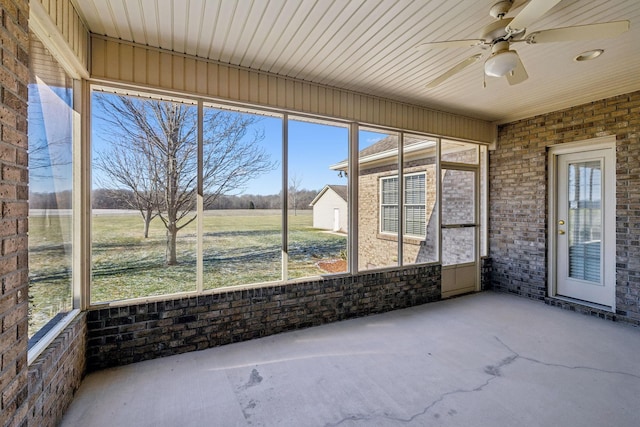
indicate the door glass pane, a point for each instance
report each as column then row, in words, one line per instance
column 585, row 220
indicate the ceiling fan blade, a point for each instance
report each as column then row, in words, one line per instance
column 531, row 13
column 450, row 44
column 453, row 71
column 580, row 32
column 518, row 75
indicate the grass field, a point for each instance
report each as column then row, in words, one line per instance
column 239, row 247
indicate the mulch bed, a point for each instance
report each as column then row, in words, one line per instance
column 333, row 266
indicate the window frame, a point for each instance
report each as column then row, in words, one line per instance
column 75, row 72
column 404, row 204
column 395, row 204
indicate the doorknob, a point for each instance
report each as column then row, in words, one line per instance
column 560, row 231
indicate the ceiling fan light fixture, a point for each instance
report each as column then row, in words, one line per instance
column 501, row 63
column 589, row 55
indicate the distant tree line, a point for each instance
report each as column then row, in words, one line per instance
column 124, row 199
column 59, row 200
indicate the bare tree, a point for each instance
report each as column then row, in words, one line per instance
column 295, row 182
column 130, row 165
column 161, row 137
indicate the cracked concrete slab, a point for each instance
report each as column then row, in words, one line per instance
column 481, row 360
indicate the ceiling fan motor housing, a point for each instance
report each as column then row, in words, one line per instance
column 500, row 9
column 495, row 31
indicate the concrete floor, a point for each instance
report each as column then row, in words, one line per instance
column 480, row 360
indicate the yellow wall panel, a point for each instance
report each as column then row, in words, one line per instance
column 66, row 19
column 201, row 77
column 183, row 73
column 126, row 63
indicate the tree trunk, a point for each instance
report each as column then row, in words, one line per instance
column 147, row 221
column 172, row 233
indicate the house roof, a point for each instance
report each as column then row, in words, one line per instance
column 340, row 190
column 385, row 149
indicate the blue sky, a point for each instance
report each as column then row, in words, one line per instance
column 313, row 148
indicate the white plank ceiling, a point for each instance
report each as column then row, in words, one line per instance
column 368, row 46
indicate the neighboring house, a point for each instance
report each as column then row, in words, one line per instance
column 378, row 196
column 330, row 210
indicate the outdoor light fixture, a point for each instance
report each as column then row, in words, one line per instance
column 502, row 60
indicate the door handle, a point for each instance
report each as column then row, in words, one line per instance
column 560, row 231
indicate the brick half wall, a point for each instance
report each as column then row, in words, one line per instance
column 133, row 333
column 55, row 375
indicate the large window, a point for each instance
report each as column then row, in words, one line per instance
column 420, row 239
column 50, row 116
column 318, row 212
column 190, row 196
column 242, row 197
column 145, row 165
column 378, row 199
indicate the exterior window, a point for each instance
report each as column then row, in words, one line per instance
column 414, row 205
column 50, row 186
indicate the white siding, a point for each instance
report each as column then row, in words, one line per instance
column 323, row 211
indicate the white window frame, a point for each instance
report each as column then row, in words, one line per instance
column 404, row 204
column 382, row 204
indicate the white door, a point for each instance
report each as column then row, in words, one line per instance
column 584, row 230
column 336, row 219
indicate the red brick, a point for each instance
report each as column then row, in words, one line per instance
column 15, row 209
column 7, row 116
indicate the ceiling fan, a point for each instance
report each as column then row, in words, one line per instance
column 499, row 35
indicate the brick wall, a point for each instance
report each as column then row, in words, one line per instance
column 374, row 249
column 14, row 78
column 134, row 333
column 55, row 375
column 518, row 196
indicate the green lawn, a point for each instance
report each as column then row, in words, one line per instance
column 239, row 247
